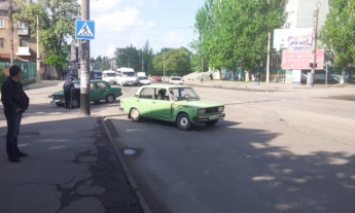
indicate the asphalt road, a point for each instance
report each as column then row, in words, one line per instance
column 283, row 151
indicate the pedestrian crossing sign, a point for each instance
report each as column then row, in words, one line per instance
column 84, row 30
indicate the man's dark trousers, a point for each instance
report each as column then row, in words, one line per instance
column 13, row 120
column 67, row 97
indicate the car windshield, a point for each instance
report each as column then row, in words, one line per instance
column 143, row 78
column 128, row 74
column 109, row 74
column 176, row 79
column 183, row 93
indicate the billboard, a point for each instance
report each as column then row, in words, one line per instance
column 296, row 38
column 301, row 59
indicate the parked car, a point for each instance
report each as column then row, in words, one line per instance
column 156, row 78
column 99, row 90
column 96, row 75
column 109, row 76
column 143, row 80
column 174, row 103
column 176, row 80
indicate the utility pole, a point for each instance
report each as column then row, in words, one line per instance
column 11, row 34
column 142, row 61
column 268, row 59
column 85, row 64
column 314, row 64
column 164, row 67
column 38, row 60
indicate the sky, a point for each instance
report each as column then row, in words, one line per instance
column 121, row 23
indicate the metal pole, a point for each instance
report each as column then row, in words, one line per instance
column 164, row 67
column 315, row 43
column 38, row 60
column 268, row 59
column 85, row 64
column 11, row 34
column 326, row 74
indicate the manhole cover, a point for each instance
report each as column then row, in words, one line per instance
column 129, row 152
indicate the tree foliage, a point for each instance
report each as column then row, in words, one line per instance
column 56, row 23
column 173, row 61
column 100, row 63
column 233, row 33
column 338, row 32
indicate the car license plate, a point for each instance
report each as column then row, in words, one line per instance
column 213, row 117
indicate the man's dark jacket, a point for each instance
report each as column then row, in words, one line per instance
column 13, row 96
column 68, row 86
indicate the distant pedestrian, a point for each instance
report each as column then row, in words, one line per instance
column 15, row 103
column 202, row 79
column 211, row 77
column 257, row 77
column 68, row 88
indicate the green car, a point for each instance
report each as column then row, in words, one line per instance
column 99, row 90
column 173, row 103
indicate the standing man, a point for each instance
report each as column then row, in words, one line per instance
column 68, row 88
column 15, row 103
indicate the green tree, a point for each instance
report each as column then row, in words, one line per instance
column 100, row 63
column 147, row 58
column 338, row 32
column 173, row 61
column 233, row 33
column 56, row 20
column 128, row 57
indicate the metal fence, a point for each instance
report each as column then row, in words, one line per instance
column 29, row 70
column 279, row 75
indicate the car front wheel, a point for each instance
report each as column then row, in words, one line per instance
column 135, row 115
column 75, row 103
column 110, row 98
column 183, row 122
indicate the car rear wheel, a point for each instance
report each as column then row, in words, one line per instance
column 212, row 123
column 110, row 98
column 75, row 103
column 135, row 115
column 183, row 122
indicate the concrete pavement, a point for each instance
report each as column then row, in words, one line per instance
column 71, row 167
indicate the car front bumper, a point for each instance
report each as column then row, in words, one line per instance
column 206, row 118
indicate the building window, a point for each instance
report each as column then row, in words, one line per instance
column 2, row 23
column 2, row 41
column 24, row 42
column 22, row 25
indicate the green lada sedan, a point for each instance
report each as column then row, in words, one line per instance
column 174, row 103
column 99, row 90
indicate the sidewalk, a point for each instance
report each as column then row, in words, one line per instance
column 72, row 166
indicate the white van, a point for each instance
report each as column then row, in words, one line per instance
column 109, row 76
column 126, row 76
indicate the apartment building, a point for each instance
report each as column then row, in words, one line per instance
column 300, row 13
column 24, row 47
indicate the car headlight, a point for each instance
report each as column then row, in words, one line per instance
column 221, row 109
column 201, row 111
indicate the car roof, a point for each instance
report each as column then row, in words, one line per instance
column 166, row 86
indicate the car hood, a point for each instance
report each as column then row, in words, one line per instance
column 197, row 103
column 58, row 93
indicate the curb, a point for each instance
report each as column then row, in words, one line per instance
column 111, row 133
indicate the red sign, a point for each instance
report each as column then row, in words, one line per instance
column 301, row 59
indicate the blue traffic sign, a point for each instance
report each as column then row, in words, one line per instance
column 84, row 30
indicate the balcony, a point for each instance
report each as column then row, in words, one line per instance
column 22, row 31
column 23, row 51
